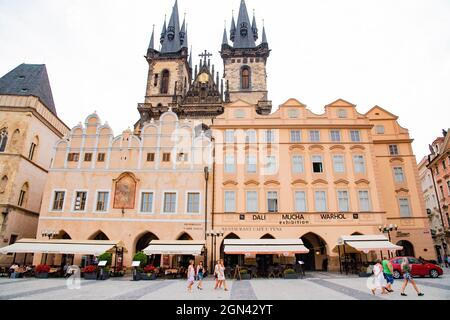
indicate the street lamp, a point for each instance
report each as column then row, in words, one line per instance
column 387, row 229
column 214, row 234
column 206, row 173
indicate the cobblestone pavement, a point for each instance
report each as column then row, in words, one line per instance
column 317, row 285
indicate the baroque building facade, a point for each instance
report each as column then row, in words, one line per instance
column 209, row 161
column 29, row 127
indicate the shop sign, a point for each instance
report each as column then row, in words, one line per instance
column 333, row 216
column 259, row 217
column 293, row 218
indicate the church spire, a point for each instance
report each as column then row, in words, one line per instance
column 183, row 34
column 225, row 36
column 254, row 27
column 171, row 41
column 243, row 37
column 152, row 40
column 264, row 37
column 233, row 28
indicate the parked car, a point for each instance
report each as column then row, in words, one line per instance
column 418, row 268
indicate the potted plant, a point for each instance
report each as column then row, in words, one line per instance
column 244, row 274
column 142, row 258
column 42, row 271
column 104, row 271
column 90, row 272
column 290, row 274
column 149, row 273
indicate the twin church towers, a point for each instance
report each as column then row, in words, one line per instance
column 198, row 92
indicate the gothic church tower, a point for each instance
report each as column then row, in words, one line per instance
column 245, row 62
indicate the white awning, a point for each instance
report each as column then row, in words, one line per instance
column 180, row 247
column 367, row 243
column 94, row 247
column 264, row 246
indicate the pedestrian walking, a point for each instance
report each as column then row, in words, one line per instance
column 388, row 271
column 221, row 275
column 378, row 281
column 406, row 270
column 216, row 274
column 200, row 273
column 446, row 260
column 191, row 275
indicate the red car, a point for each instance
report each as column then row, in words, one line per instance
column 418, row 268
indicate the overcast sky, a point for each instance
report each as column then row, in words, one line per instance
column 395, row 54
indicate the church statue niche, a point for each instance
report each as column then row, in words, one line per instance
column 125, row 191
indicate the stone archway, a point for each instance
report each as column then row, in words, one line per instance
column 408, row 249
column 230, row 260
column 99, row 235
column 317, row 257
column 142, row 242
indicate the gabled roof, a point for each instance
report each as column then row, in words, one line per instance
column 378, row 108
column 292, row 102
column 341, row 103
column 29, row 80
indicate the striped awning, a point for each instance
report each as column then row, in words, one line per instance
column 264, row 246
column 179, row 247
column 56, row 246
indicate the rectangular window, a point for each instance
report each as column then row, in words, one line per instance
column 355, row 135
column 296, row 136
column 393, row 150
column 364, row 201
column 150, row 157
column 251, row 164
column 12, row 240
column 342, row 113
column 359, row 163
column 405, row 210
column 80, row 201
column 272, row 201
column 398, row 174
column 21, row 197
column 320, row 198
column 251, row 201
column 193, row 205
column 73, row 157
column 317, row 164
column 271, row 165
column 170, row 202
column 297, row 164
column 444, row 166
column 314, row 135
column 335, row 135
column 31, row 153
column 300, row 201
column 343, row 202
column 88, row 157
column 102, row 201
column 230, row 201
column 379, row 129
column 338, row 164
column 448, row 186
column 101, row 157
column 230, row 166
column 250, row 136
column 229, row 136
column 270, row 136
column 147, row 202
column 166, row 157
column 58, row 200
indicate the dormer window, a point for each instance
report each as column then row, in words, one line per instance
column 244, row 29
column 171, row 33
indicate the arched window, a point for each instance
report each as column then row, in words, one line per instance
column 165, row 82
column 23, row 195
column 33, row 147
column 3, row 139
column 245, row 78
column 3, row 184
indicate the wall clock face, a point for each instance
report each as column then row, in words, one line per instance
column 203, row 78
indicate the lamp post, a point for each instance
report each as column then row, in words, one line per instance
column 206, row 173
column 214, row 234
column 387, row 229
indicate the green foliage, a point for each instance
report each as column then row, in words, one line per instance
column 289, row 271
column 140, row 256
column 106, row 257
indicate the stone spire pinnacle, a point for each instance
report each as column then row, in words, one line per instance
column 243, row 37
column 152, row 39
column 183, row 33
column 264, row 37
column 225, row 36
column 233, row 28
column 254, row 27
column 164, row 30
